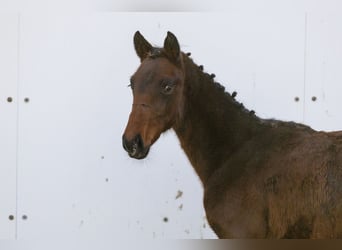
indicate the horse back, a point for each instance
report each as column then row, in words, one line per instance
column 283, row 183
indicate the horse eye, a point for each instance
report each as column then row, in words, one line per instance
column 167, row 89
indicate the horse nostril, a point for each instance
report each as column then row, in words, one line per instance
column 138, row 142
column 134, row 148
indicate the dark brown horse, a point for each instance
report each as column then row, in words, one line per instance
column 261, row 178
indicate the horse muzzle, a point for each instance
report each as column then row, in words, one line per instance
column 135, row 147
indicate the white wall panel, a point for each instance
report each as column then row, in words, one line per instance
column 324, row 74
column 8, row 123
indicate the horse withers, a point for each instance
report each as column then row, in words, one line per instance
column 261, row 178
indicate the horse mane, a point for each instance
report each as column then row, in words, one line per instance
column 197, row 71
column 229, row 98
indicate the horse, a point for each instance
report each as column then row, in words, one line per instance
column 262, row 178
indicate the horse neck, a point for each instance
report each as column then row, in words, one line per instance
column 213, row 125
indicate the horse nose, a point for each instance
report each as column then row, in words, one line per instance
column 134, row 146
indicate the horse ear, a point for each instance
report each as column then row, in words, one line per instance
column 142, row 47
column 171, row 46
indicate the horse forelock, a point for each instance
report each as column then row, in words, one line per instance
column 156, row 52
